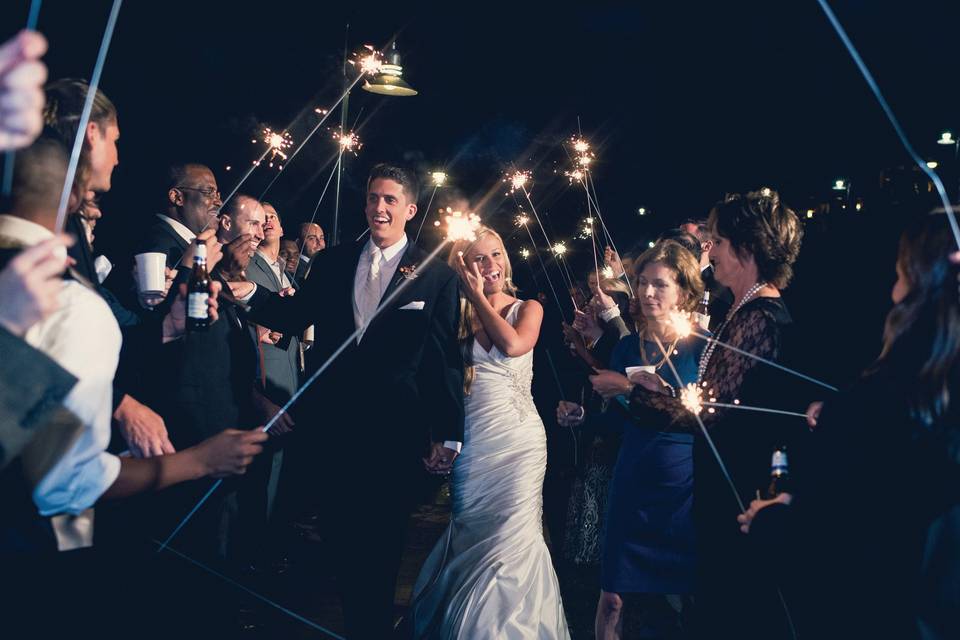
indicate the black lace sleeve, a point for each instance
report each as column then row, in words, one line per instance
column 754, row 330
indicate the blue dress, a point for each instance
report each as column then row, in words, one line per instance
column 648, row 544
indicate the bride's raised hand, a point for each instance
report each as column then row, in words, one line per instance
column 471, row 278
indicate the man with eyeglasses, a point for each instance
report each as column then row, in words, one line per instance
column 192, row 203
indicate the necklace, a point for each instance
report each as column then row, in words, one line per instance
column 663, row 359
column 708, row 352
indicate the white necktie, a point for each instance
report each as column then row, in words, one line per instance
column 370, row 296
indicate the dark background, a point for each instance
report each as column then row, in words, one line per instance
column 682, row 103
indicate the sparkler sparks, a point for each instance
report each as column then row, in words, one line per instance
column 607, row 272
column 692, row 398
column 583, row 157
column 521, row 220
column 462, row 226
column 348, row 141
column 518, row 180
column 575, row 176
column 559, row 248
column 277, row 144
column 682, row 324
column 369, row 62
column 524, row 253
column 438, row 177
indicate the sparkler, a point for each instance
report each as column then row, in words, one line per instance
column 521, row 220
column 370, row 62
column 681, row 322
column 518, row 180
column 462, row 226
column 10, row 155
column 607, row 272
column 439, row 178
column 920, row 162
column 85, row 114
column 471, row 220
column 559, row 248
column 524, row 253
column 691, row 396
column 348, row 141
column 277, row 143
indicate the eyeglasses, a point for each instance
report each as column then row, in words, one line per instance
column 207, row 192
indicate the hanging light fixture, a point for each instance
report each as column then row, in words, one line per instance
column 389, row 81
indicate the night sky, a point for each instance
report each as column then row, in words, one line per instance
column 682, row 103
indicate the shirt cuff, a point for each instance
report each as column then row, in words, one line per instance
column 609, row 314
column 247, row 297
column 453, row 444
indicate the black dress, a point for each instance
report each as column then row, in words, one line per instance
column 737, row 591
column 873, row 528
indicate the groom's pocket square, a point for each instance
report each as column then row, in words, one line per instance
column 416, row 305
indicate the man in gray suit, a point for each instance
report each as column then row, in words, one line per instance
column 280, row 353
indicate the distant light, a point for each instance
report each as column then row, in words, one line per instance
column 946, row 138
column 858, row 206
column 839, row 185
column 228, row 167
column 932, row 164
column 642, row 211
column 651, row 244
column 809, row 213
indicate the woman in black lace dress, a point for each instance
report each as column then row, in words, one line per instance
column 756, row 240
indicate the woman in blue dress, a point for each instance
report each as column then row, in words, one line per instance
column 648, row 545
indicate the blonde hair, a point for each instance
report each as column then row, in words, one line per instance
column 468, row 316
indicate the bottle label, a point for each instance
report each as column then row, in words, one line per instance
column 703, row 320
column 197, row 305
column 779, row 465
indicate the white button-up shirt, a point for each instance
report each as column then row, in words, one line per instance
column 83, row 338
column 178, row 227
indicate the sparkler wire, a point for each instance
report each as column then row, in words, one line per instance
column 85, row 116
column 299, row 392
column 11, row 155
column 426, row 212
column 934, row 178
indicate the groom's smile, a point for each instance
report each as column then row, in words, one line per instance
column 388, row 209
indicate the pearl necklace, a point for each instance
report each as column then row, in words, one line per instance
column 708, row 352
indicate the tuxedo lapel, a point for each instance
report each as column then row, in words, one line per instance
column 261, row 263
column 410, row 260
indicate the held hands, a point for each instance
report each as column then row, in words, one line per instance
column 22, row 76
column 440, row 459
column 175, row 322
column 471, row 279
column 746, row 518
column 230, row 452
column 30, row 284
column 570, row 414
column 143, row 429
column 610, row 384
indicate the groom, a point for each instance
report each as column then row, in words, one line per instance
column 391, row 403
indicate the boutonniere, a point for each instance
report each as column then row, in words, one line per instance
column 409, row 272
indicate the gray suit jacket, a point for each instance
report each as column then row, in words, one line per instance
column 281, row 363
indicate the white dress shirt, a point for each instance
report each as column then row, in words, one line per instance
column 390, row 260
column 180, row 229
column 277, row 269
column 83, row 338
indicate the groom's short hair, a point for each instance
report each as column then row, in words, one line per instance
column 403, row 176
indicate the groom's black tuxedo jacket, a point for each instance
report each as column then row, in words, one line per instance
column 401, row 387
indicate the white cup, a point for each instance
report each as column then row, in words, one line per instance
column 647, row 368
column 151, row 274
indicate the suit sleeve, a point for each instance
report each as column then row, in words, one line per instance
column 33, row 386
column 288, row 315
column 444, row 401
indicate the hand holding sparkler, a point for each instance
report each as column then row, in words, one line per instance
column 21, row 85
column 612, row 260
column 650, row 381
column 570, row 414
column 746, row 518
column 813, row 413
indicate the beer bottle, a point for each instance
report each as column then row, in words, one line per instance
column 198, row 291
column 779, row 474
column 703, row 312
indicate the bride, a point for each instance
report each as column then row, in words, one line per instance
column 490, row 575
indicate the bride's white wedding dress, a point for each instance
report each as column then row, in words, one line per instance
column 490, row 575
